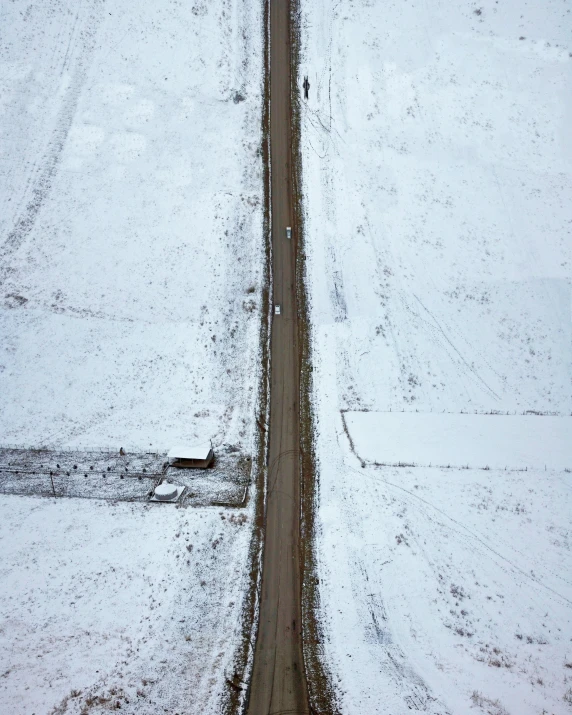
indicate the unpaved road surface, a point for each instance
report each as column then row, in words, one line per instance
column 278, row 681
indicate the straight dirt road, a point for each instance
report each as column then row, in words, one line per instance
column 278, row 681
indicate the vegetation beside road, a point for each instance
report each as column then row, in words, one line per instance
column 320, row 686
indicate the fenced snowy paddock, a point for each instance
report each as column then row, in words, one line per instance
column 129, row 477
column 461, row 440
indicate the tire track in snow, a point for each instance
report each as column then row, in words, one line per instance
column 42, row 177
column 393, row 663
column 469, row 367
column 466, row 532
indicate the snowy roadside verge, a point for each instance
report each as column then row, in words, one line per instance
column 318, row 676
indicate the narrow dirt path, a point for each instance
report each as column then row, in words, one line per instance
column 278, row 681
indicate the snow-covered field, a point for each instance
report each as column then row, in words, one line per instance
column 117, row 603
column 437, row 166
column 131, row 258
column 130, row 222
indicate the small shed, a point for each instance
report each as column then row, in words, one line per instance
column 185, row 457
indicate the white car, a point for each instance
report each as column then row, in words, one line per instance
column 277, row 309
column 288, row 232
